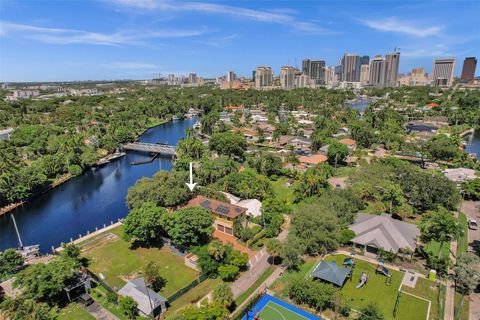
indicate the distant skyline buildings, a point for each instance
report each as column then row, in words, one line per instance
column 263, row 77
column 350, row 67
column 315, row 69
column 287, row 77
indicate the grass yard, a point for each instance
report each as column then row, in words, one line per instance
column 115, row 259
column 376, row 291
column 99, row 294
column 461, row 311
column 281, row 191
column 74, row 312
column 429, row 290
column 433, row 247
column 345, row 171
column 255, row 285
column 462, row 243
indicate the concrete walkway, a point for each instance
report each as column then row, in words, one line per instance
column 100, row 313
column 450, row 292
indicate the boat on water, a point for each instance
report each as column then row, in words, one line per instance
column 103, row 161
column 176, row 118
column 27, row 252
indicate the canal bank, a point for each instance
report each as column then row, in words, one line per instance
column 89, row 201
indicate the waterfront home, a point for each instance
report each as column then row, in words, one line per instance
column 253, row 206
column 225, row 213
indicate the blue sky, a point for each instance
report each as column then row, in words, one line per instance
column 137, row 39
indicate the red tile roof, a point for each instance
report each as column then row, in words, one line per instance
column 220, row 208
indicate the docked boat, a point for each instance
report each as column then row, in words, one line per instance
column 175, row 118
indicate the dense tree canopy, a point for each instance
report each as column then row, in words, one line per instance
column 144, row 223
column 189, row 226
column 246, row 184
column 228, row 144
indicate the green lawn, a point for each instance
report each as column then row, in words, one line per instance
column 433, row 247
column 255, row 285
column 376, row 291
column 429, row 290
column 345, row 171
column 99, row 294
column 273, row 311
column 74, row 312
column 281, row 191
column 462, row 314
column 118, row 262
column 462, row 244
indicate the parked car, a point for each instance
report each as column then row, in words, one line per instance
column 472, row 224
column 85, row 299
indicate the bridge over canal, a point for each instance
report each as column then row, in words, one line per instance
column 161, row 149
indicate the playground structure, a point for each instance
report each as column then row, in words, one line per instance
column 363, row 280
column 350, row 262
column 381, row 269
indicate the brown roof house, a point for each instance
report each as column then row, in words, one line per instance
column 224, row 213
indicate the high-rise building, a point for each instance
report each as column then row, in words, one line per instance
column 287, row 77
column 192, row 78
column 315, row 69
column 330, row 79
column 364, row 73
column 263, row 77
column 468, row 69
column 378, row 72
column 231, row 76
column 338, row 73
column 364, row 60
column 443, row 72
column 302, row 80
column 393, row 62
column 351, row 67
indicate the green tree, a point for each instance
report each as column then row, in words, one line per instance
column 313, row 182
column 128, row 306
column 228, row 144
column 10, row 260
column 206, row 312
column 467, row 272
column 21, row 308
column 440, row 226
column 441, row 147
column 471, row 189
column 292, row 253
column 144, row 224
column 189, row 226
column 228, row 272
column 371, row 312
column 317, row 295
column 216, row 250
column 153, row 277
column 274, row 248
column 190, row 148
column 247, row 185
column 45, row 282
column 393, row 194
column 71, row 251
column 223, row 295
column 337, row 152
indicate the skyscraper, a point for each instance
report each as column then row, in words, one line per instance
column 378, row 72
column 330, row 78
column 231, row 76
column 468, row 69
column 365, row 73
column 364, row 60
column 351, row 67
column 263, row 77
column 442, row 72
column 393, row 61
column 287, row 77
column 192, row 78
column 315, row 69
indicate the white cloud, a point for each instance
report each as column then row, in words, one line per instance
column 219, row 42
column 410, row 28
column 72, row 36
column 279, row 16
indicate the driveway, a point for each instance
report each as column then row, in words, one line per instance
column 100, row 313
column 472, row 210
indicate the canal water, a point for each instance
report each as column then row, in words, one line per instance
column 88, row 201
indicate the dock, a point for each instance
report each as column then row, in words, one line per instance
column 162, row 150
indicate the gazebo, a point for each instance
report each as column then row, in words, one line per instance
column 330, row 272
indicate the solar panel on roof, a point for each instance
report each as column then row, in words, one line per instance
column 205, row 204
column 223, row 209
column 238, row 210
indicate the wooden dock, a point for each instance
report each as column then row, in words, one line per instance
column 162, row 150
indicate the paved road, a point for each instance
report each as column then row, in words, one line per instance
column 472, row 210
column 260, row 264
column 100, row 313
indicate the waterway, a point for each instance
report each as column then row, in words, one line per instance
column 91, row 200
column 473, row 143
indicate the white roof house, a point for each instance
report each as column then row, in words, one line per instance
column 375, row 232
column 148, row 302
column 253, row 206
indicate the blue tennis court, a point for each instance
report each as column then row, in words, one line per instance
column 271, row 308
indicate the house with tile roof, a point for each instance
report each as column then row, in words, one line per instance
column 225, row 213
column 373, row 232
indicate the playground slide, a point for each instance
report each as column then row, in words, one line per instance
column 363, row 280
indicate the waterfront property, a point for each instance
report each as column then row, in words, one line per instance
column 117, row 262
column 225, row 213
column 149, row 302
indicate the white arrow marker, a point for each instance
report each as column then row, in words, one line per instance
column 191, row 185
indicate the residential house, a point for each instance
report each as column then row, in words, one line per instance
column 374, row 232
column 253, row 206
column 313, row 160
column 150, row 303
column 225, row 213
column 350, row 143
column 300, row 143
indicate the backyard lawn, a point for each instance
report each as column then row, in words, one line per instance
column 462, row 243
column 118, row 262
column 376, row 291
column 281, row 191
column 74, row 312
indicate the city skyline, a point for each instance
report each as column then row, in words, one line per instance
column 126, row 39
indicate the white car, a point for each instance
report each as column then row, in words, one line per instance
column 472, row 224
